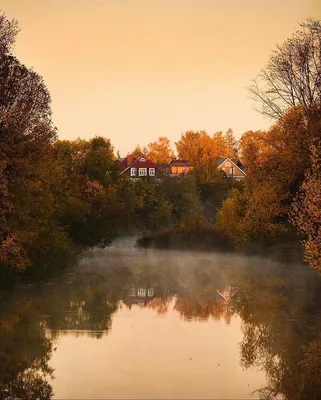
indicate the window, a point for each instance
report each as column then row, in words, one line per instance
column 150, row 292
column 151, row 171
column 231, row 171
column 133, row 171
column 142, row 159
column 141, row 292
column 142, row 172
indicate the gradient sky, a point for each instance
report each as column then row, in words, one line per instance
column 133, row 70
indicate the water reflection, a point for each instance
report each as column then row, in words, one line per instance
column 24, row 352
column 279, row 304
column 281, row 313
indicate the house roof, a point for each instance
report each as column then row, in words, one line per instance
column 137, row 163
column 184, row 163
column 220, row 161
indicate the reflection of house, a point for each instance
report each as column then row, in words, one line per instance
column 140, row 296
column 178, row 167
column 231, row 169
column 224, row 294
column 138, row 167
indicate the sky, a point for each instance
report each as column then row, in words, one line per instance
column 134, row 70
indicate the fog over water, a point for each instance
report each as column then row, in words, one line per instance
column 135, row 323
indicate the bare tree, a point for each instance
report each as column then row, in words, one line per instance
column 293, row 74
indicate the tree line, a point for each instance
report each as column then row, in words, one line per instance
column 282, row 191
column 58, row 196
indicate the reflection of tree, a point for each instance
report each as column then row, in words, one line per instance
column 193, row 308
column 86, row 304
column 160, row 305
column 281, row 324
column 200, row 299
column 24, row 353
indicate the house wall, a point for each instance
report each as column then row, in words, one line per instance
column 226, row 167
column 178, row 170
column 157, row 174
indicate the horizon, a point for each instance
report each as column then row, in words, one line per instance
column 148, row 81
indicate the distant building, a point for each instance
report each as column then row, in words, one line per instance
column 138, row 167
column 231, row 169
column 142, row 167
column 178, row 168
column 183, row 167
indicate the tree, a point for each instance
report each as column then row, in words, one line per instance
column 89, row 201
column 293, row 74
column 189, row 146
column 232, row 146
column 138, row 151
column 29, row 230
column 252, row 146
column 202, row 150
column 305, row 212
column 98, row 163
column 160, row 152
column 8, row 33
column 230, row 218
column 275, row 161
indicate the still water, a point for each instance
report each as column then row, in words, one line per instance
column 130, row 323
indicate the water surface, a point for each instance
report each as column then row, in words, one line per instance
column 130, row 323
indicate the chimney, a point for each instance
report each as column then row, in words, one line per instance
column 129, row 159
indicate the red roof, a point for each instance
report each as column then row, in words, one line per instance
column 136, row 163
column 180, row 162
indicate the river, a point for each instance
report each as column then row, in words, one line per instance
column 132, row 323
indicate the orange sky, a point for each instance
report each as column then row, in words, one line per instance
column 133, row 70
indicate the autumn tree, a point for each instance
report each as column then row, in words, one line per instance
column 98, row 163
column 252, row 146
column 90, row 207
column 230, row 218
column 160, row 151
column 203, row 151
column 28, row 172
column 232, row 145
column 138, row 151
column 305, row 212
column 293, row 74
column 189, row 147
column 275, row 161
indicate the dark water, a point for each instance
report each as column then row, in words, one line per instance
column 129, row 323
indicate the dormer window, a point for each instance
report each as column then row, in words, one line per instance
column 142, row 159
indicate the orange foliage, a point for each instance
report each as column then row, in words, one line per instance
column 191, row 308
column 160, row 152
column 306, row 210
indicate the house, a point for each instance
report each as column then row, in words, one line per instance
column 224, row 294
column 140, row 296
column 178, row 167
column 138, row 167
column 231, row 169
column 183, row 167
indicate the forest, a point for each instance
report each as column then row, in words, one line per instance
column 59, row 197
